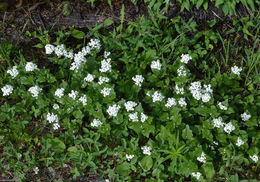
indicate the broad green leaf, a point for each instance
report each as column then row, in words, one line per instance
column 187, row 133
column 123, row 169
column 146, row 163
column 57, row 145
column 208, row 169
column 78, row 34
column 108, row 22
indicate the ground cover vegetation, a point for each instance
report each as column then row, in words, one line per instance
column 153, row 100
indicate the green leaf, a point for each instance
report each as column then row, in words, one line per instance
column 108, row 22
column 57, row 145
column 187, row 133
column 208, row 170
column 218, row 3
column 78, row 34
column 38, row 46
column 199, row 3
column 146, row 163
column 251, row 4
column 123, row 169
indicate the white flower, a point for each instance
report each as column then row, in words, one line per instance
column 221, row 106
column 143, row 117
column 89, row 78
column 129, row 157
column 254, row 158
column 83, row 100
column 69, row 55
column 86, row 50
column 156, row 65
column 170, row 102
column 245, row 116
column 56, row 126
column 199, row 93
column 218, row 122
column 78, row 60
column 181, row 71
column 106, row 54
column 179, row 90
column 185, row 58
column 96, row 123
column 236, row 70
column 49, row 49
column 182, row 102
column 196, row 175
column 52, row 118
column 13, row 72
column 7, row 90
column 202, row 158
column 113, row 110
column 105, row 65
column 34, row 91
column 102, row 80
column 205, row 97
column 30, row 66
column 56, row 106
column 239, row 142
column 73, row 94
column 129, row 105
column 138, row 79
column 146, row 150
column 59, row 92
column 216, row 143
column 157, row 96
column 105, row 91
column 229, row 128
column 94, row 44
column 36, row 170
column 133, row 117
column 59, row 50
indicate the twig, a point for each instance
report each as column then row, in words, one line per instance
column 221, row 19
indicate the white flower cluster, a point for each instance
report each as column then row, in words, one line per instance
column 96, row 123
column 89, row 78
column 196, row 175
column 36, row 170
column 179, row 90
column 146, row 150
column 236, row 70
column 35, row 91
column 138, row 79
column 229, row 128
column 13, row 72
column 134, row 117
column 105, row 65
column 83, row 100
column 181, row 71
column 157, row 96
column 105, row 91
column 245, row 116
column 200, row 94
column 73, row 94
column 170, row 102
column 185, row 58
column 156, row 65
column 78, row 58
column 53, row 118
column 102, row 80
column 240, row 142
column 129, row 105
column 113, row 110
column 254, row 158
column 222, row 107
column 7, row 90
column 202, row 158
column 30, row 66
column 218, row 122
column 59, row 92
column 129, row 157
column 182, row 102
